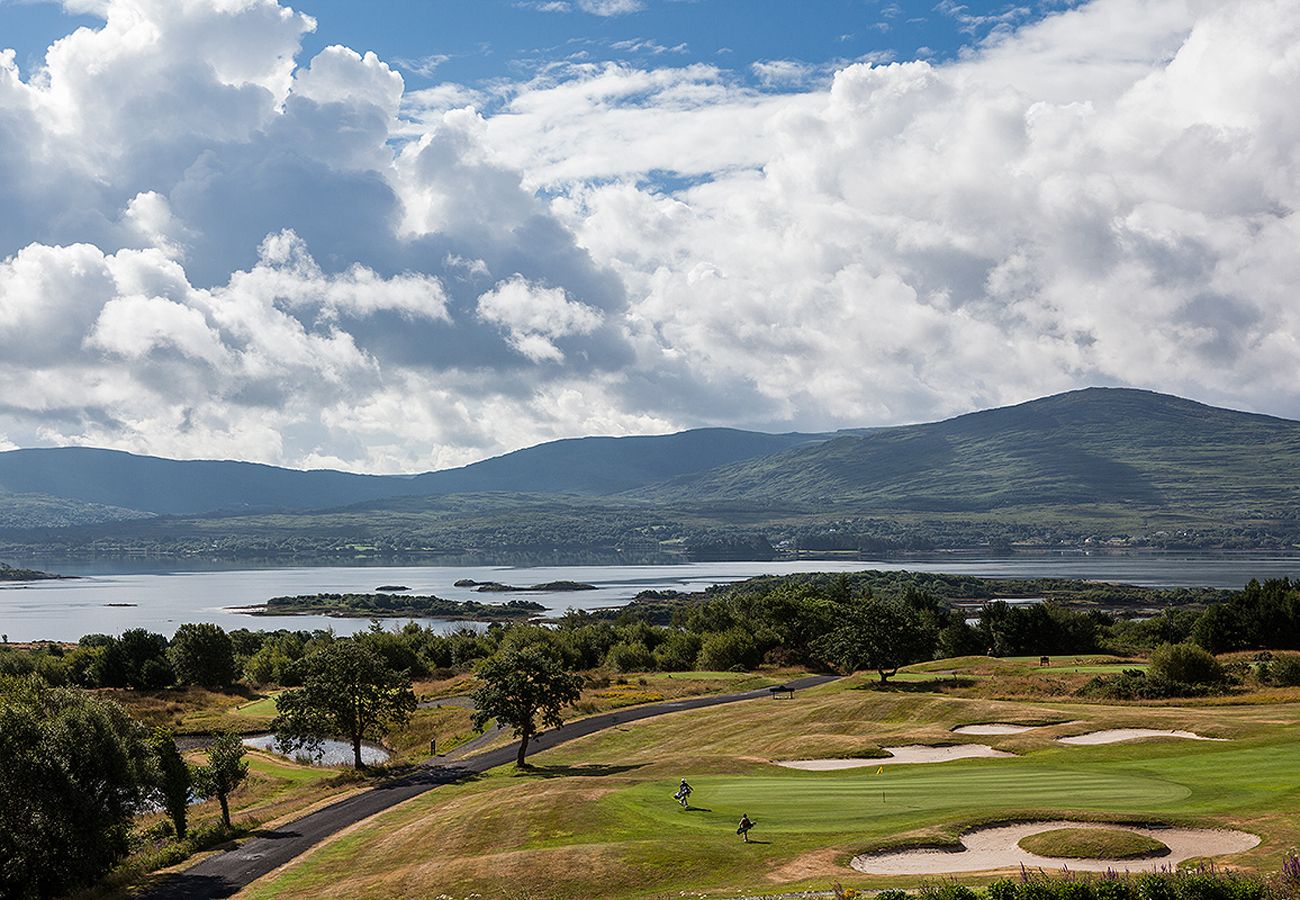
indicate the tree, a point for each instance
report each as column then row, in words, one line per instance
column 520, row 686
column 347, row 690
column 959, row 639
column 628, row 656
column 225, row 771
column 734, row 648
column 203, row 654
column 1185, row 664
column 878, row 634
column 74, row 768
column 174, row 778
column 138, row 659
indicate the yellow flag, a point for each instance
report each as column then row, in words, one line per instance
column 880, row 771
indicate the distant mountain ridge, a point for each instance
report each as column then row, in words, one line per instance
column 1093, row 446
column 133, row 485
column 1101, row 461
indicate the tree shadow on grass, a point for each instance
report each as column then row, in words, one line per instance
column 591, row 770
column 933, row 686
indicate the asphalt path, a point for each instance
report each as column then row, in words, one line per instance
column 224, row 874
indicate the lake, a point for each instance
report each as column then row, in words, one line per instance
column 189, row 592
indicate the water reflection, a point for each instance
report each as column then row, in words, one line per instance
column 330, row 753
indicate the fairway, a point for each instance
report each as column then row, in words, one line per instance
column 263, row 708
column 596, row 816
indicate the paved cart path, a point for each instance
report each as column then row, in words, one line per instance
column 226, row 873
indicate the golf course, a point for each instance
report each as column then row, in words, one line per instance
column 595, row 817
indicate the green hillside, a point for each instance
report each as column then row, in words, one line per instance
column 1100, row 446
column 58, row 486
column 44, row 511
column 1130, row 467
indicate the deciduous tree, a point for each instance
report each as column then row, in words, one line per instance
column 203, row 654
column 173, row 778
column 878, row 634
column 225, row 771
column 73, row 770
column 519, row 688
column 347, row 691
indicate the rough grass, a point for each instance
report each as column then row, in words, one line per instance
column 450, row 726
column 195, row 710
column 596, row 817
column 1093, row 843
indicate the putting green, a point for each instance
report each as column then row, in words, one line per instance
column 834, row 802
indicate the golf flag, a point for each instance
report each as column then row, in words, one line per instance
column 880, row 771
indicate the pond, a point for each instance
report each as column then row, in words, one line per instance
column 331, row 752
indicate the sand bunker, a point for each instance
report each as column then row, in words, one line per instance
column 899, row 756
column 987, row 849
column 1115, row 735
column 994, row 728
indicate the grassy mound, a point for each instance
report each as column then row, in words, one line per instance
column 1093, row 843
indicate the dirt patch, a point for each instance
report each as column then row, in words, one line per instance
column 1115, row 735
column 912, row 754
column 990, row 849
column 808, row 865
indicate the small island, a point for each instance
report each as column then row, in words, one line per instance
column 391, row 588
column 394, row 606
column 9, row 573
column 496, row 587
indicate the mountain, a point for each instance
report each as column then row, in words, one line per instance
column 606, row 465
column 171, row 487
column 132, row 485
column 1135, row 467
column 1111, row 446
column 44, row 511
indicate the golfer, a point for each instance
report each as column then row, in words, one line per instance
column 745, row 825
column 683, row 795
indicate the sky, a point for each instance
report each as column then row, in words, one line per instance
column 403, row 235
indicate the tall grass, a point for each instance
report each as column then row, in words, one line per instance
column 1205, row 882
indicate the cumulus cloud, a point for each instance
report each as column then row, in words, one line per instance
column 214, row 247
column 534, row 316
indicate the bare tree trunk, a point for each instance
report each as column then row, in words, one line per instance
column 356, row 751
column 225, row 809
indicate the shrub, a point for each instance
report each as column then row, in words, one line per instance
column 678, row 653
column 1002, row 889
column 945, row 890
column 1284, row 671
column 1113, row 889
column 727, row 650
column 1201, row 884
column 1134, row 684
column 1075, row 890
column 1155, row 886
column 626, row 656
column 1186, row 664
